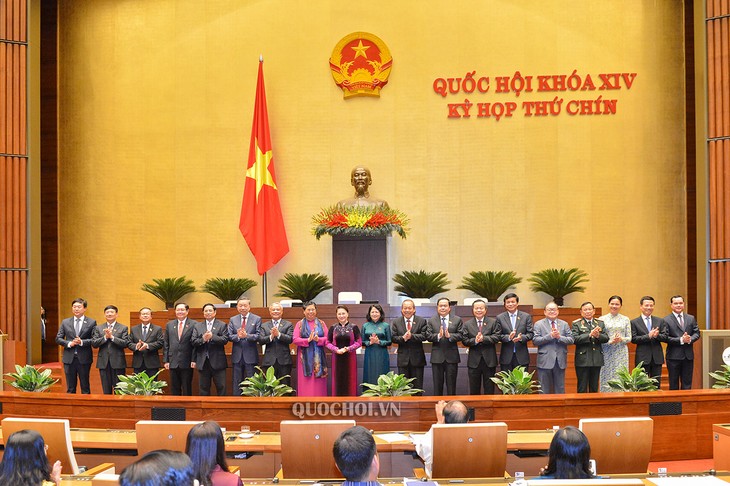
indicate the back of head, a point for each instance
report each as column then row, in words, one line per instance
column 24, row 460
column 569, row 455
column 455, row 412
column 159, row 468
column 354, row 451
column 206, row 449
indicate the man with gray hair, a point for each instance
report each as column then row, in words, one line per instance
column 453, row 412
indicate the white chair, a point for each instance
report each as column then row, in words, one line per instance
column 470, row 300
column 420, row 302
column 349, row 297
column 289, row 302
column 56, row 434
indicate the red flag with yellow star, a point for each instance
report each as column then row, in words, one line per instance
column 261, row 223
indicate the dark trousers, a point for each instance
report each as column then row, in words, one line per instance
column 654, row 370
column 680, row 370
column 444, row 372
column 181, row 381
column 79, row 371
column 206, row 374
column 281, row 370
column 412, row 371
column 480, row 376
column 588, row 377
column 552, row 380
column 241, row 371
column 109, row 378
column 513, row 364
column 149, row 371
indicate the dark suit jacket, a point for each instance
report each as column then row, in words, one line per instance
column 277, row 351
column 445, row 350
column 522, row 326
column 492, row 333
column 215, row 349
column 410, row 353
column 676, row 350
column 588, row 350
column 549, row 349
column 111, row 351
column 179, row 352
column 244, row 350
column 67, row 333
column 649, row 350
column 149, row 358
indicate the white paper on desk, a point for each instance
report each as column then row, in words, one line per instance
column 418, row 482
column 393, row 437
column 687, row 480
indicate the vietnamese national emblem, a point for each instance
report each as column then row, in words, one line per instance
column 361, row 64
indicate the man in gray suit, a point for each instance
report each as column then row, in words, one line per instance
column 111, row 338
column 179, row 354
column 682, row 332
column 552, row 336
column 145, row 341
column 75, row 336
column 209, row 338
column 243, row 332
column 277, row 335
column 516, row 333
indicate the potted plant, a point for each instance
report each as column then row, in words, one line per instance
column 516, row 382
column 558, row 282
column 169, row 290
column 420, row 284
column 140, row 384
column 304, row 286
column 722, row 377
column 227, row 288
column 634, row 381
column 489, row 284
column 391, row 385
column 31, row 379
column 265, row 384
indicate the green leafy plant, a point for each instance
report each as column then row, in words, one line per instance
column 636, row 380
column 169, row 290
column 140, row 384
column 265, row 384
column 227, row 288
column 420, row 284
column 558, row 282
column 516, row 382
column 304, row 286
column 391, row 385
column 722, row 377
column 31, row 379
column 489, row 284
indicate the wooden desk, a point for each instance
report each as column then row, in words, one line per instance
column 721, row 446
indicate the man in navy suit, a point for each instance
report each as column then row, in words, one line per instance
column 179, row 354
column 209, row 338
column 76, row 337
column 648, row 332
column 682, row 332
column 516, row 333
column 243, row 332
column 112, row 338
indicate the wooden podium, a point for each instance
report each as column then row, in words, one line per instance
column 360, row 264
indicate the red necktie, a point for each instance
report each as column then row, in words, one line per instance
column 555, row 328
column 408, row 325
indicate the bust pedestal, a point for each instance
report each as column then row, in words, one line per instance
column 360, row 264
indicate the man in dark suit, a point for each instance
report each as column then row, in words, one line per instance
column 209, row 338
column 648, row 333
column 409, row 332
column 444, row 332
column 588, row 335
column 516, row 333
column 112, row 338
column 179, row 354
column 243, row 332
column 75, row 335
column 481, row 334
column 277, row 335
column 145, row 341
column 682, row 332
column 552, row 336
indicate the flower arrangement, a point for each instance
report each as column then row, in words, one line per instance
column 359, row 221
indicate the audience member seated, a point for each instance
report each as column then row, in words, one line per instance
column 453, row 412
column 159, row 468
column 207, row 451
column 25, row 463
column 356, row 457
column 568, row 456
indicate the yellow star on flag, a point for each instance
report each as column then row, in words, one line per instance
column 360, row 50
column 259, row 171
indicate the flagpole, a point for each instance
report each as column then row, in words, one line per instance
column 263, row 287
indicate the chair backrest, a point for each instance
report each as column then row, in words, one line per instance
column 470, row 300
column 481, row 449
column 56, row 434
column 306, row 448
column 619, row 445
column 161, row 434
column 289, row 302
column 349, row 297
column 418, row 302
